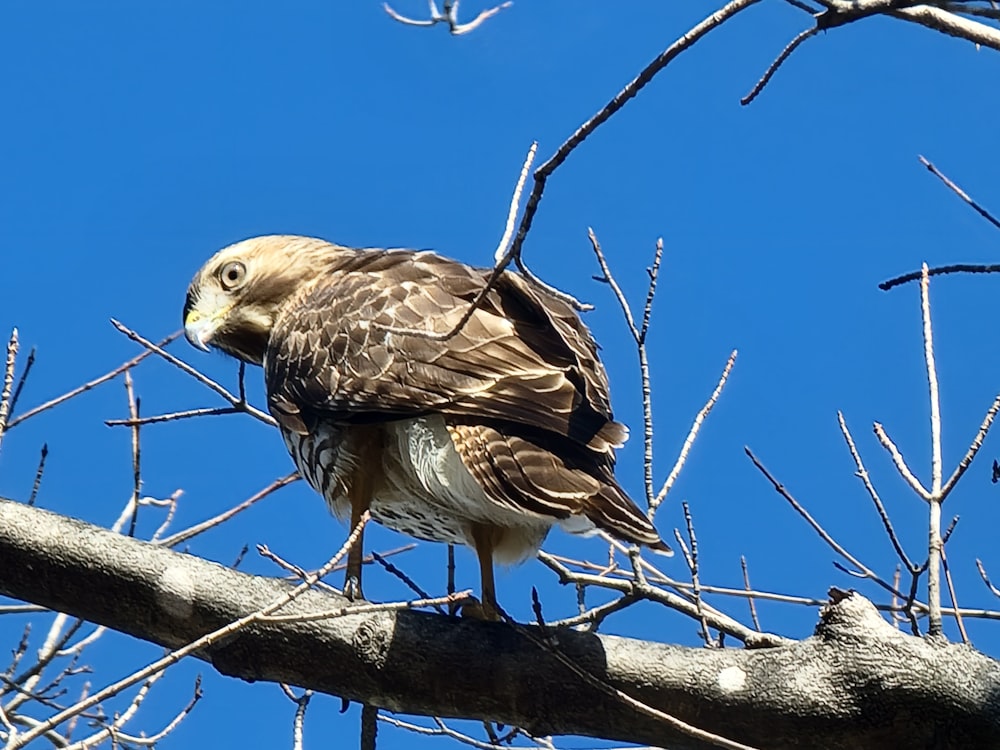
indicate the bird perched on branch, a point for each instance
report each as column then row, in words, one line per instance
column 485, row 433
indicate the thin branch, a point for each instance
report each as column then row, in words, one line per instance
column 449, row 16
column 654, row 273
column 954, row 599
column 28, row 364
column 932, row 382
column 866, row 572
column 593, row 617
column 977, row 443
column 639, row 336
column 91, row 384
column 367, row 608
column 503, row 256
column 176, row 415
column 515, row 201
column 951, row 24
column 900, row 462
column 634, row 86
column 409, row 582
column 175, row 656
column 693, row 432
column 960, row 193
column 778, row 62
column 298, row 723
column 749, row 591
column 38, row 474
column 8, row 381
column 609, row 278
column 235, row 401
column 182, row 536
column 934, row 542
column 939, row 271
column 133, row 410
column 986, row 579
column 716, row 619
column 862, row 474
column 692, row 562
column 443, row 730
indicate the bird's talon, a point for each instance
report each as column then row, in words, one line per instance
column 352, row 589
column 477, row 610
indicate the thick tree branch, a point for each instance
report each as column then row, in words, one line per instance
column 841, row 688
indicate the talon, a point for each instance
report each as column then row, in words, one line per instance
column 477, row 610
column 352, row 588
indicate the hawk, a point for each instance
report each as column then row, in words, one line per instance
column 486, row 436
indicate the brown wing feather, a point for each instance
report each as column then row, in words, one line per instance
column 521, row 471
column 524, row 357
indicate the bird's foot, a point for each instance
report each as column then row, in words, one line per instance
column 477, row 610
column 352, row 588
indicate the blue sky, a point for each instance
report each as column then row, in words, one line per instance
column 138, row 138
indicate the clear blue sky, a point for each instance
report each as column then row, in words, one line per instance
column 139, row 137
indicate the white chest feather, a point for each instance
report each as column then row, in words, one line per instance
column 423, row 488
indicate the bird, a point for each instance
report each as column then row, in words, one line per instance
column 484, row 429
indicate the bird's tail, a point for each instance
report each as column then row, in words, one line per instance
column 615, row 512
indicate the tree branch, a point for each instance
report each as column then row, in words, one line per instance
column 841, row 687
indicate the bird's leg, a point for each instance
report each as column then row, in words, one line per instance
column 484, row 536
column 360, row 495
column 359, row 504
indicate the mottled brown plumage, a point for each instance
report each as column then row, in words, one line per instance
column 486, row 437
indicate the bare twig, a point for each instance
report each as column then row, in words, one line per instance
column 866, row 572
column 28, row 364
column 298, row 723
column 749, row 590
column 630, row 587
column 934, row 546
column 954, row 598
column 693, row 433
column 977, row 443
column 862, row 474
column 515, row 201
column 8, row 381
column 133, row 410
column 409, row 582
column 235, row 401
column 174, row 656
column 778, row 62
column 632, row 88
column 939, row 271
column 639, row 337
column 593, row 617
column 960, row 193
column 692, row 561
column 950, row 24
column 442, row 730
column 986, row 579
column 176, row 415
column 897, row 458
column 182, row 536
column 448, row 16
column 90, row 384
column 367, row 608
column 38, row 474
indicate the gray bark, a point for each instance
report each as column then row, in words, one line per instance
column 857, row 683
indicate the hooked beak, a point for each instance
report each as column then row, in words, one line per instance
column 198, row 330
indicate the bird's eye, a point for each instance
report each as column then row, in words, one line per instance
column 232, row 275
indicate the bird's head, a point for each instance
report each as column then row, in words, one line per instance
column 234, row 299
